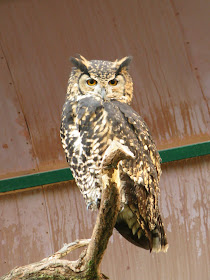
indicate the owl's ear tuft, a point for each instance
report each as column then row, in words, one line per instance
column 123, row 63
column 80, row 63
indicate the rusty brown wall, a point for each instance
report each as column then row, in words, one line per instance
column 170, row 43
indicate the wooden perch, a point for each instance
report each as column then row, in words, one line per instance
column 87, row 267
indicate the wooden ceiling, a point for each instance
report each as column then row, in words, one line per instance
column 170, row 70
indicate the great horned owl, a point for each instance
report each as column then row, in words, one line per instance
column 95, row 113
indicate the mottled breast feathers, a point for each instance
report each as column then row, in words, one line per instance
column 95, row 115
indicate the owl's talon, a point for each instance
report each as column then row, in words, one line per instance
column 98, row 202
column 89, row 205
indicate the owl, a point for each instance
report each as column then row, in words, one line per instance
column 96, row 112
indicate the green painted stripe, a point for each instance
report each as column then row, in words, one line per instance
column 34, row 180
column 60, row 175
column 184, row 152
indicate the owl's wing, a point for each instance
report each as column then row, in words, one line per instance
column 139, row 221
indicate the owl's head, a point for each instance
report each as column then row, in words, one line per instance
column 106, row 79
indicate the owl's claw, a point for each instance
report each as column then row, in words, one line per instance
column 98, row 202
column 89, row 205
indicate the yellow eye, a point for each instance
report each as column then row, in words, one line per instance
column 91, row 82
column 113, row 82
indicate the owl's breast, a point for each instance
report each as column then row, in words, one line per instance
column 85, row 134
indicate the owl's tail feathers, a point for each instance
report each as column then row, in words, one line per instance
column 140, row 235
column 159, row 240
column 126, row 232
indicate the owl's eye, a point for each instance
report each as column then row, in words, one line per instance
column 91, row 82
column 113, row 82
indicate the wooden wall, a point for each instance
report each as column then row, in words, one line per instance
column 170, row 43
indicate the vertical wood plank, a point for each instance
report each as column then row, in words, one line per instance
column 183, row 204
column 24, row 229
column 68, row 215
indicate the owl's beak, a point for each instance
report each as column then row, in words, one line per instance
column 103, row 92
